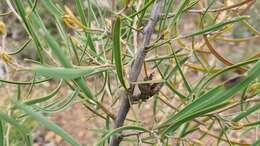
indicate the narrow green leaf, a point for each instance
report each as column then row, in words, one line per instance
column 18, row 94
column 65, row 61
column 22, row 12
column 117, row 51
column 191, row 115
column 180, row 8
column 24, row 82
column 57, row 50
column 83, row 18
column 2, row 139
column 228, row 68
column 60, row 105
column 186, row 82
column 214, row 97
column 67, row 73
column 256, row 143
column 218, row 26
column 169, row 85
column 44, row 98
column 52, row 8
column 174, row 69
column 21, row 48
column 74, row 51
column 252, row 124
column 241, row 116
column 244, row 114
column 43, row 120
column 195, row 104
column 21, row 129
column 167, row 8
column 143, row 8
column 118, row 130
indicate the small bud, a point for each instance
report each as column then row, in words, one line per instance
column 254, row 88
column 6, row 57
column 236, row 125
column 165, row 34
column 68, row 11
column 108, row 23
column 71, row 20
column 2, row 28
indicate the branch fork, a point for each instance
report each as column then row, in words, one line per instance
column 128, row 98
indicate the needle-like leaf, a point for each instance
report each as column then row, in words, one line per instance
column 117, row 51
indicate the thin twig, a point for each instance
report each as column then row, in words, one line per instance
column 220, row 57
column 223, row 8
column 204, row 130
column 135, row 71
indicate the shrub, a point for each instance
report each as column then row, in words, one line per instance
column 156, row 60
